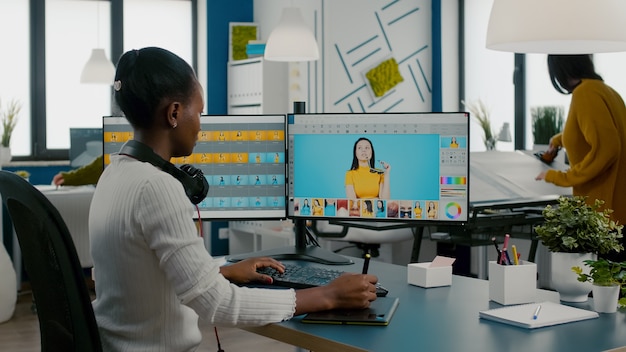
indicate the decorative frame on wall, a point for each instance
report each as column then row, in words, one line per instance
column 239, row 34
column 357, row 36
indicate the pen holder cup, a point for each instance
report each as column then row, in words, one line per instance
column 422, row 275
column 512, row 284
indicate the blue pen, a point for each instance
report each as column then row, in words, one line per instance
column 508, row 259
column 536, row 315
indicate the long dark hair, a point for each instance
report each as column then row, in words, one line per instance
column 368, row 206
column 355, row 161
column 148, row 77
column 563, row 68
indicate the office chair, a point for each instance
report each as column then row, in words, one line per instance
column 368, row 236
column 66, row 318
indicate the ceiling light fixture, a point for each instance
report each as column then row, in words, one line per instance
column 557, row 26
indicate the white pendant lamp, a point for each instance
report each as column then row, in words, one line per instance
column 98, row 69
column 557, row 26
column 291, row 40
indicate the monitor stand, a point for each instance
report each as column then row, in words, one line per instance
column 301, row 251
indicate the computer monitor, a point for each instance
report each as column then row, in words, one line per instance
column 85, row 145
column 337, row 167
column 429, row 165
column 242, row 157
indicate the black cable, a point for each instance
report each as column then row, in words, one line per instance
column 310, row 237
column 219, row 345
column 343, row 248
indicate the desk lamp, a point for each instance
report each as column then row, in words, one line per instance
column 505, row 133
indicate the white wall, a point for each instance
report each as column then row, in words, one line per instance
column 342, row 25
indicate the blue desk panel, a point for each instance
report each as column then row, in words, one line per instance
column 446, row 319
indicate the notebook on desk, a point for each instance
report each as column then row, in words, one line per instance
column 530, row 317
column 380, row 312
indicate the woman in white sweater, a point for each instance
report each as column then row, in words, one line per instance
column 153, row 276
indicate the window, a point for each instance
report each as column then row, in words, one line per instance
column 488, row 75
column 540, row 92
column 15, row 69
column 164, row 23
column 70, row 103
column 49, row 83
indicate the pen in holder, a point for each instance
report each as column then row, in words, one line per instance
column 512, row 284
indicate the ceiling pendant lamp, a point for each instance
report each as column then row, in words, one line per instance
column 98, row 69
column 557, row 26
column 291, row 40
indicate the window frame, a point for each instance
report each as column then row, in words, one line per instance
column 38, row 118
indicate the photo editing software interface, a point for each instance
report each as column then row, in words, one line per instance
column 242, row 157
column 387, row 166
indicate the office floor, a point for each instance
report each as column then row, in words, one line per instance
column 21, row 334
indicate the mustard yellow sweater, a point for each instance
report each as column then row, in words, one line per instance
column 84, row 175
column 595, row 139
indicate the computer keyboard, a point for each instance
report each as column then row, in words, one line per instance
column 299, row 276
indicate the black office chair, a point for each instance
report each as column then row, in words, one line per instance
column 66, row 318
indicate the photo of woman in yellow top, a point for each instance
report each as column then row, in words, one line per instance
column 454, row 143
column 432, row 210
column 417, row 209
column 363, row 180
column 317, row 208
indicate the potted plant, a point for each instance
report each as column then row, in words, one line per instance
column 8, row 118
column 23, row 174
column 575, row 231
column 607, row 278
column 546, row 121
column 480, row 112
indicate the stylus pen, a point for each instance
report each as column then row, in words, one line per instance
column 366, row 263
column 536, row 315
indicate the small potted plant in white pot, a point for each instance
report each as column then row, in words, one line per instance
column 607, row 277
column 574, row 231
column 481, row 113
column 8, row 118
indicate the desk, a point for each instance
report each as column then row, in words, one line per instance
column 446, row 319
column 73, row 204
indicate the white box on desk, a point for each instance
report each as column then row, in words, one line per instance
column 512, row 284
column 423, row 275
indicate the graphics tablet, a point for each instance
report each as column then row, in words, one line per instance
column 379, row 313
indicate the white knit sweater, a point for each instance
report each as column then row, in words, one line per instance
column 153, row 275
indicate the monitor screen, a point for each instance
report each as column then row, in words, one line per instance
column 379, row 166
column 242, row 157
column 85, row 145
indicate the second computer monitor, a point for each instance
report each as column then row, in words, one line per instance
column 242, row 157
column 386, row 166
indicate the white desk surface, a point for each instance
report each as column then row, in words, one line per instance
column 496, row 175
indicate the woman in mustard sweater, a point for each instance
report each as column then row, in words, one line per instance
column 594, row 134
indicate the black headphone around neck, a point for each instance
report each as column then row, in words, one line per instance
column 193, row 180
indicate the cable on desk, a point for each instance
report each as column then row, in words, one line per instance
column 217, row 338
column 310, row 238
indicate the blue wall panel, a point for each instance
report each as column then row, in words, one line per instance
column 219, row 14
